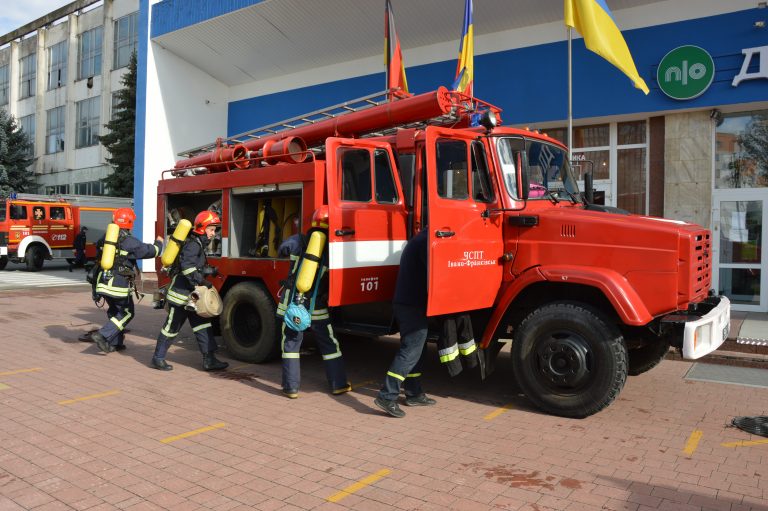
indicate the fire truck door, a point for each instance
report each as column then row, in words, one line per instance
column 465, row 243
column 367, row 221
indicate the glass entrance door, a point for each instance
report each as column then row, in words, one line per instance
column 740, row 223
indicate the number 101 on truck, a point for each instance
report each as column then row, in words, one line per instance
column 587, row 294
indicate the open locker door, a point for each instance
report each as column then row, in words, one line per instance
column 465, row 248
column 367, row 221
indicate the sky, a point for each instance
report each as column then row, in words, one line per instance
column 16, row 13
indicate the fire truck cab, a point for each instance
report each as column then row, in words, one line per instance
column 587, row 294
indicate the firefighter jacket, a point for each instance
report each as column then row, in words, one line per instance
column 294, row 247
column 118, row 281
column 187, row 271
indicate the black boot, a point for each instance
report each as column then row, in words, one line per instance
column 211, row 363
column 161, row 364
column 101, row 342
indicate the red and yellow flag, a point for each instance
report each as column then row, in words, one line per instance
column 393, row 54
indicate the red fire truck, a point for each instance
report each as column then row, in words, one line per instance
column 587, row 294
column 34, row 228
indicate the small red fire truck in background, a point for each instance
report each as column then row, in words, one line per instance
column 34, row 228
column 587, row 294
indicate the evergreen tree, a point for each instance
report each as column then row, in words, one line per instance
column 15, row 147
column 121, row 138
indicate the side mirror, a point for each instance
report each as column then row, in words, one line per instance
column 589, row 190
column 525, row 178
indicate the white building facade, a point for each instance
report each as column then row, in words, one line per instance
column 59, row 81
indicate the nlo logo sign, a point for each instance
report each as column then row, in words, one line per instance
column 685, row 72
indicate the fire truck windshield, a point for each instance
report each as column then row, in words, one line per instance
column 549, row 171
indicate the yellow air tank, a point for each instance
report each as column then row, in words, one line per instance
column 174, row 244
column 308, row 266
column 110, row 247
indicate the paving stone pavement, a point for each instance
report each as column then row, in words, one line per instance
column 87, row 431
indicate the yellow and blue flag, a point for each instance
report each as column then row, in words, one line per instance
column 393, row 55
column 465, row 72
column 595, row 23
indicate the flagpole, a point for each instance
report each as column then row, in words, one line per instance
column 570, row 96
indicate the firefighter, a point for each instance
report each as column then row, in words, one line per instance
column 79, row 246
column 327, row 344
column 189, row 270
column 115, row 285
column 410, row 308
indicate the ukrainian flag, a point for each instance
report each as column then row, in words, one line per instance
column 595, row 23
column 465, row 73
column 393, row 54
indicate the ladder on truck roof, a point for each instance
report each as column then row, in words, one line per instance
column 323, row 114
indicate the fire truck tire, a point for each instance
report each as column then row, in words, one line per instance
column 645, row 358
column 569, row 360
column 34, row 258
column 248, row 323
column 3, row 262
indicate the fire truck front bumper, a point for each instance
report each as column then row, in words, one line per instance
column 705, row 326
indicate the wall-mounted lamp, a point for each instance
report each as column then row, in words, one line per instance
column 716, row 116
column 759, row 24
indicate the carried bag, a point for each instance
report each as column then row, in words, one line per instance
column 297, row 317
column 207, row 301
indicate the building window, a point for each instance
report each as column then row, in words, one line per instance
column 631, row 168
column 89, row 50
column 89, row 188
column 4, row 70
column 54, row 133
column 57, row 190
column 28, row 75
column 741, row 157
column 87, row 122
column 57, row 65
column 126, row 37
column 27, row 124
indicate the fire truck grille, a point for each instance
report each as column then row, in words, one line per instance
column 701, row 265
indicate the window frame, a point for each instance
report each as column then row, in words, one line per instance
column 55, row 131
column 88, row 127
column 90, row 48
column 130, row 40
column 27, row 125
column 5, row 84
column 57, row 65
column 28, row 76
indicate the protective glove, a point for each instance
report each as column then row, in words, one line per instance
column 208, row 284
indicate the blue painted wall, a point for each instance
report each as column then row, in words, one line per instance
column 170, row 15
column 530, row 84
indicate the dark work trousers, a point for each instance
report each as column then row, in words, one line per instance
column 80, row 258
column 406, row 367
column 120, row 312
column 456, row 346
column 201, row 327
column 326, row 344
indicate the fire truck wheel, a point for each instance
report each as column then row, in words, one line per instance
column 248, row 323
column 645, row 358
column 34, row 258
column 3, row 262
column 569, row 360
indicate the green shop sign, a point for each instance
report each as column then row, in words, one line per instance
column 685, row 72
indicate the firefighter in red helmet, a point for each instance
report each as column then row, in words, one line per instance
column 115, row 285
column 189, row 270
column 296, row 247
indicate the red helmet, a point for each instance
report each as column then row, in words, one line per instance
column 320, row 218
column 204, row 219
column 124, row 218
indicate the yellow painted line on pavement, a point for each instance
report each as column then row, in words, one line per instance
column 362, row 384
column 507, row 407
column 693, row 442
column 194, row 432
column 92, row 396
column 362, row 483
column 744, row 443
column 19, row 371
column 3, row 386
